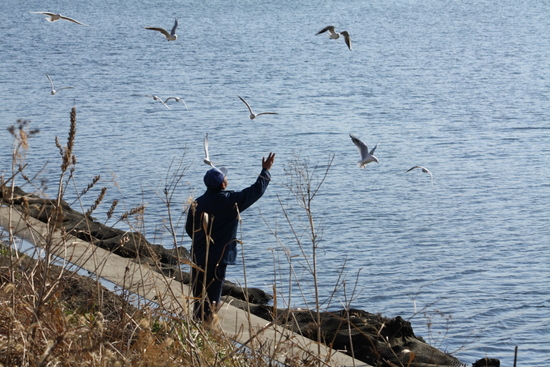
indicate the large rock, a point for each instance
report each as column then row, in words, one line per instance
column 374, row 339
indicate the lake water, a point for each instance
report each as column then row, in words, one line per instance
column 460, row 87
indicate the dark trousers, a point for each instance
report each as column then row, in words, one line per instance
column 206, row 304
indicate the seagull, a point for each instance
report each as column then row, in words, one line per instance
column 172, row 36
column 252, row 114
column 54, row 91
column 52, row 17
column 425, row 170
column 366, row 156
column 156, row 98
column 177, row 99
column 335, row 35
column 206, row 155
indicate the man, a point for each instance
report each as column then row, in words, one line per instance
column 212, row 224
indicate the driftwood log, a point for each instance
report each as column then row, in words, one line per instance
column 374, row 339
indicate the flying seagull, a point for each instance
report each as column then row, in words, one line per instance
column 335, row 35
column 172, row 36
column 425, row 170
column 206, row 155
column 52, row 17
column 254, row 115
column 54, row 91
column 177, row 99
column 156, row 98
column 366, row 156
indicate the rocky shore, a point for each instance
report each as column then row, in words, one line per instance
column 374, row 339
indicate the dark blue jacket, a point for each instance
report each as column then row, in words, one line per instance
column 223, row 208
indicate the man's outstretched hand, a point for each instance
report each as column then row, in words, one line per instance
column 268, row 162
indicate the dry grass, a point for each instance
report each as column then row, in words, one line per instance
column 83, row 324
column 51, row 316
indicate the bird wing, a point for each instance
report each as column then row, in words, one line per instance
column 185, row 104
column 65, row 88
column 410, row 169
column 247, row 105
column 177, row 99
column 329, row 28
column 363, row 149
column 161, row 30
column 347, row 38
column 44, row 13
column 424, row 169
column 174, row 28
column 267, row 113
column 71, row 20
column 373, row 149
column 206, row 155
column 50, row 79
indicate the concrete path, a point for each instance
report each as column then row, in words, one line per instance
column 144, row 281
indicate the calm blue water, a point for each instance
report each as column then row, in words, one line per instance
column 460, row 87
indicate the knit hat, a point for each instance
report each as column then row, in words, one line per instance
column 214, row 177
